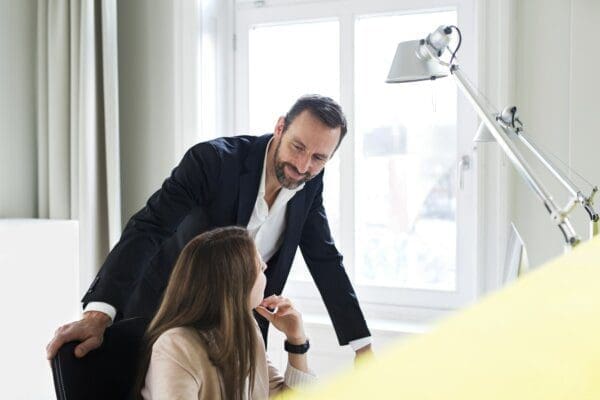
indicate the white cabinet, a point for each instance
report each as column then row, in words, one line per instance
column 39, row 290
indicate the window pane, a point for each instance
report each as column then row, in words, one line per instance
column 405, row 162
column 288, row 61
column 285, row 62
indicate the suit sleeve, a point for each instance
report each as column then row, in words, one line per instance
column 325, row 264
column 190, row 185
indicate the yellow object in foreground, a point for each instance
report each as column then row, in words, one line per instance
column 539, row 338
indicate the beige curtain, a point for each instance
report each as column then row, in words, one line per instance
column 77, row 123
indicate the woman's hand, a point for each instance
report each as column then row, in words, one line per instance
column 284, row 317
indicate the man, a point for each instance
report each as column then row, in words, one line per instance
column 270, row 184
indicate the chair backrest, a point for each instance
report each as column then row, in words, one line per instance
column 108, row 372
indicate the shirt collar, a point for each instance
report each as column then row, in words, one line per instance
column 263, row 177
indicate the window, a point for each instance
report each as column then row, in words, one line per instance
column 286, row 59
column 405, row 157
column 403, row 226
column 282, row 67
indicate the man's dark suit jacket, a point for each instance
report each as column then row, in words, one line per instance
column 216, row 184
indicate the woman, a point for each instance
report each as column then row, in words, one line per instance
column 203, row 342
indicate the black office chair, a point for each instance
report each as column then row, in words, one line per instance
column 108, row 372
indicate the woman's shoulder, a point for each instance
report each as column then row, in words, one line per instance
column 182, row 343
column 180, row 363
column 180, row 332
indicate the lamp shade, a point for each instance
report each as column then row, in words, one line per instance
column 409, row 67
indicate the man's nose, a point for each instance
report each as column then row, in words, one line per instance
column 303, row 163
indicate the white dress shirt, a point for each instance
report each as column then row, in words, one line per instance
column 266, row 226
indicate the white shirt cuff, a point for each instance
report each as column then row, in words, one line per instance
column 294, row 378
column 360, row 343
column 102, row 307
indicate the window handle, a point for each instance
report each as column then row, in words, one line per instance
column 463, row 165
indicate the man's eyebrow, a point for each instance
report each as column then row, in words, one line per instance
column 299, row 143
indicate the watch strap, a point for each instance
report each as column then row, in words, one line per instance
column 296, row 348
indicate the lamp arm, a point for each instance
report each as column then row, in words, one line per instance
column 565, row 181
column 508, row 119
column 594, row 218
column 488, row 116
column 577, row 196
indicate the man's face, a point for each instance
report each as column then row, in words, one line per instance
column 303, row 149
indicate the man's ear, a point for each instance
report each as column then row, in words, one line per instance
column 279, row 127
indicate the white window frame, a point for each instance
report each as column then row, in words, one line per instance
column 377, row 302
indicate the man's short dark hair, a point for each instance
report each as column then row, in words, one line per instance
column 327, row 110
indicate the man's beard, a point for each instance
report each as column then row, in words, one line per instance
column 280, row 173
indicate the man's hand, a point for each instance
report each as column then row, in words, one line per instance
column 364, row 353
column 89, row 330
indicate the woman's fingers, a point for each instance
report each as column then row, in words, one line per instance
column 284, row 308
column 270, row 301
column 275, row 301
column 281, row 313
column 265, row 313
column 276, row 306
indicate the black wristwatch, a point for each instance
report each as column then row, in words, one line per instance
column 296, row 348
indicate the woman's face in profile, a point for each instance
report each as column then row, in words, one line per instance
column 258, row 289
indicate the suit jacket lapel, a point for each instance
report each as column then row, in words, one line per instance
column 295, row 208
column 250, row 179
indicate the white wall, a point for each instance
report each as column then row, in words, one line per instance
column 146, row 98
column 584, row 128
column 175, row 77
column 17, row 109
column 557, row 96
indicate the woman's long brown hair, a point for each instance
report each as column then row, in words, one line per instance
column 209, row 290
